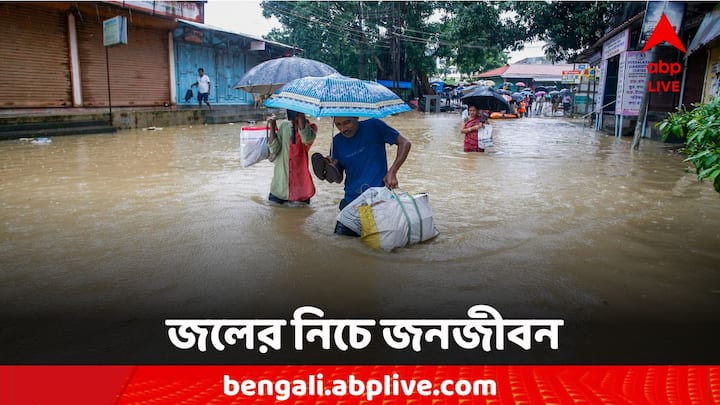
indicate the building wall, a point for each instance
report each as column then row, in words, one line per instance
column 223, row 63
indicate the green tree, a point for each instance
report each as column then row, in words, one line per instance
column 396, row 40
column 324, row 31
column 567, row 27
column 477, row 35
column 359, row 39
column 700, row 127
column 369, row 40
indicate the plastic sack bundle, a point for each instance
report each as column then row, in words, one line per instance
column 349, row 216
column 253, row 145
column 387, row 220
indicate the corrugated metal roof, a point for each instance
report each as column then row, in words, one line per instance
column 218, row 29
column 708, row 31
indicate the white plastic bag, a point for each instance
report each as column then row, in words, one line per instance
column 253, row 145
column 485, row 137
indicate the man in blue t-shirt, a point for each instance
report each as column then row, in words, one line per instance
column 359, row 151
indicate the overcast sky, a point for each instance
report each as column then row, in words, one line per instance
column 245, row 16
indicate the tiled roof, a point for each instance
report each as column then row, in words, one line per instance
column 495, row 72
column 535, row 71
column 547, row 72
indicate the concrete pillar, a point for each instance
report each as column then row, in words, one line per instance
column 75, row 80
column 171, row 66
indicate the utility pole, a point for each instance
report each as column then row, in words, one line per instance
column 396, row 47
column 642, row 114
column 361, row 37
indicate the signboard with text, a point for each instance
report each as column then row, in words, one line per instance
column 673, row 10
column 601, row 87
column 571, row 76
column 616, row 45
column 632, row 74
column 115, row 31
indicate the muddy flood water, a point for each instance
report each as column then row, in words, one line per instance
column 556, row 221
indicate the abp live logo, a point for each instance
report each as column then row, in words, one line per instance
column 664, row 32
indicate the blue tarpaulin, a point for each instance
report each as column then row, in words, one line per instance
column 390, row 84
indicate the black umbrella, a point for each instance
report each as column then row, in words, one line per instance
column 541, row 88
column 269, row 76
column 485, row 98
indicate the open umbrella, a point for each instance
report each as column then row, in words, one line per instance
column 269, row 76
column 486, row 98
column 337, row 96
column 520, row 84
column 540, row 93
column 489, row 83
column 540, row 88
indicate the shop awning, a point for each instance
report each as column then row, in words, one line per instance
column 709, row 30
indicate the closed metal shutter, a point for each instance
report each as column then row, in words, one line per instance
column 139, row 74
column 35, row 65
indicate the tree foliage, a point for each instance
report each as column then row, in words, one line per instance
column 477, row 35
column 700, row 127
column 400, row 40
column 567, row 27
column 361, row 39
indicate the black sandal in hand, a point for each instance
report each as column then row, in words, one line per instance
column 325, row 170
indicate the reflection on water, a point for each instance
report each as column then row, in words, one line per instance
column 555, row 221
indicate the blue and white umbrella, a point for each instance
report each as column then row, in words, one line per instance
column 337, row 96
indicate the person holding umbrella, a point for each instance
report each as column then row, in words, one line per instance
column 358, row 150
column 471, row 127
column 288, row 146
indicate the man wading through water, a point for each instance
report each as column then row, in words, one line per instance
column 358, row 151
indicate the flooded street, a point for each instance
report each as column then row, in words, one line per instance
column 555, row 221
